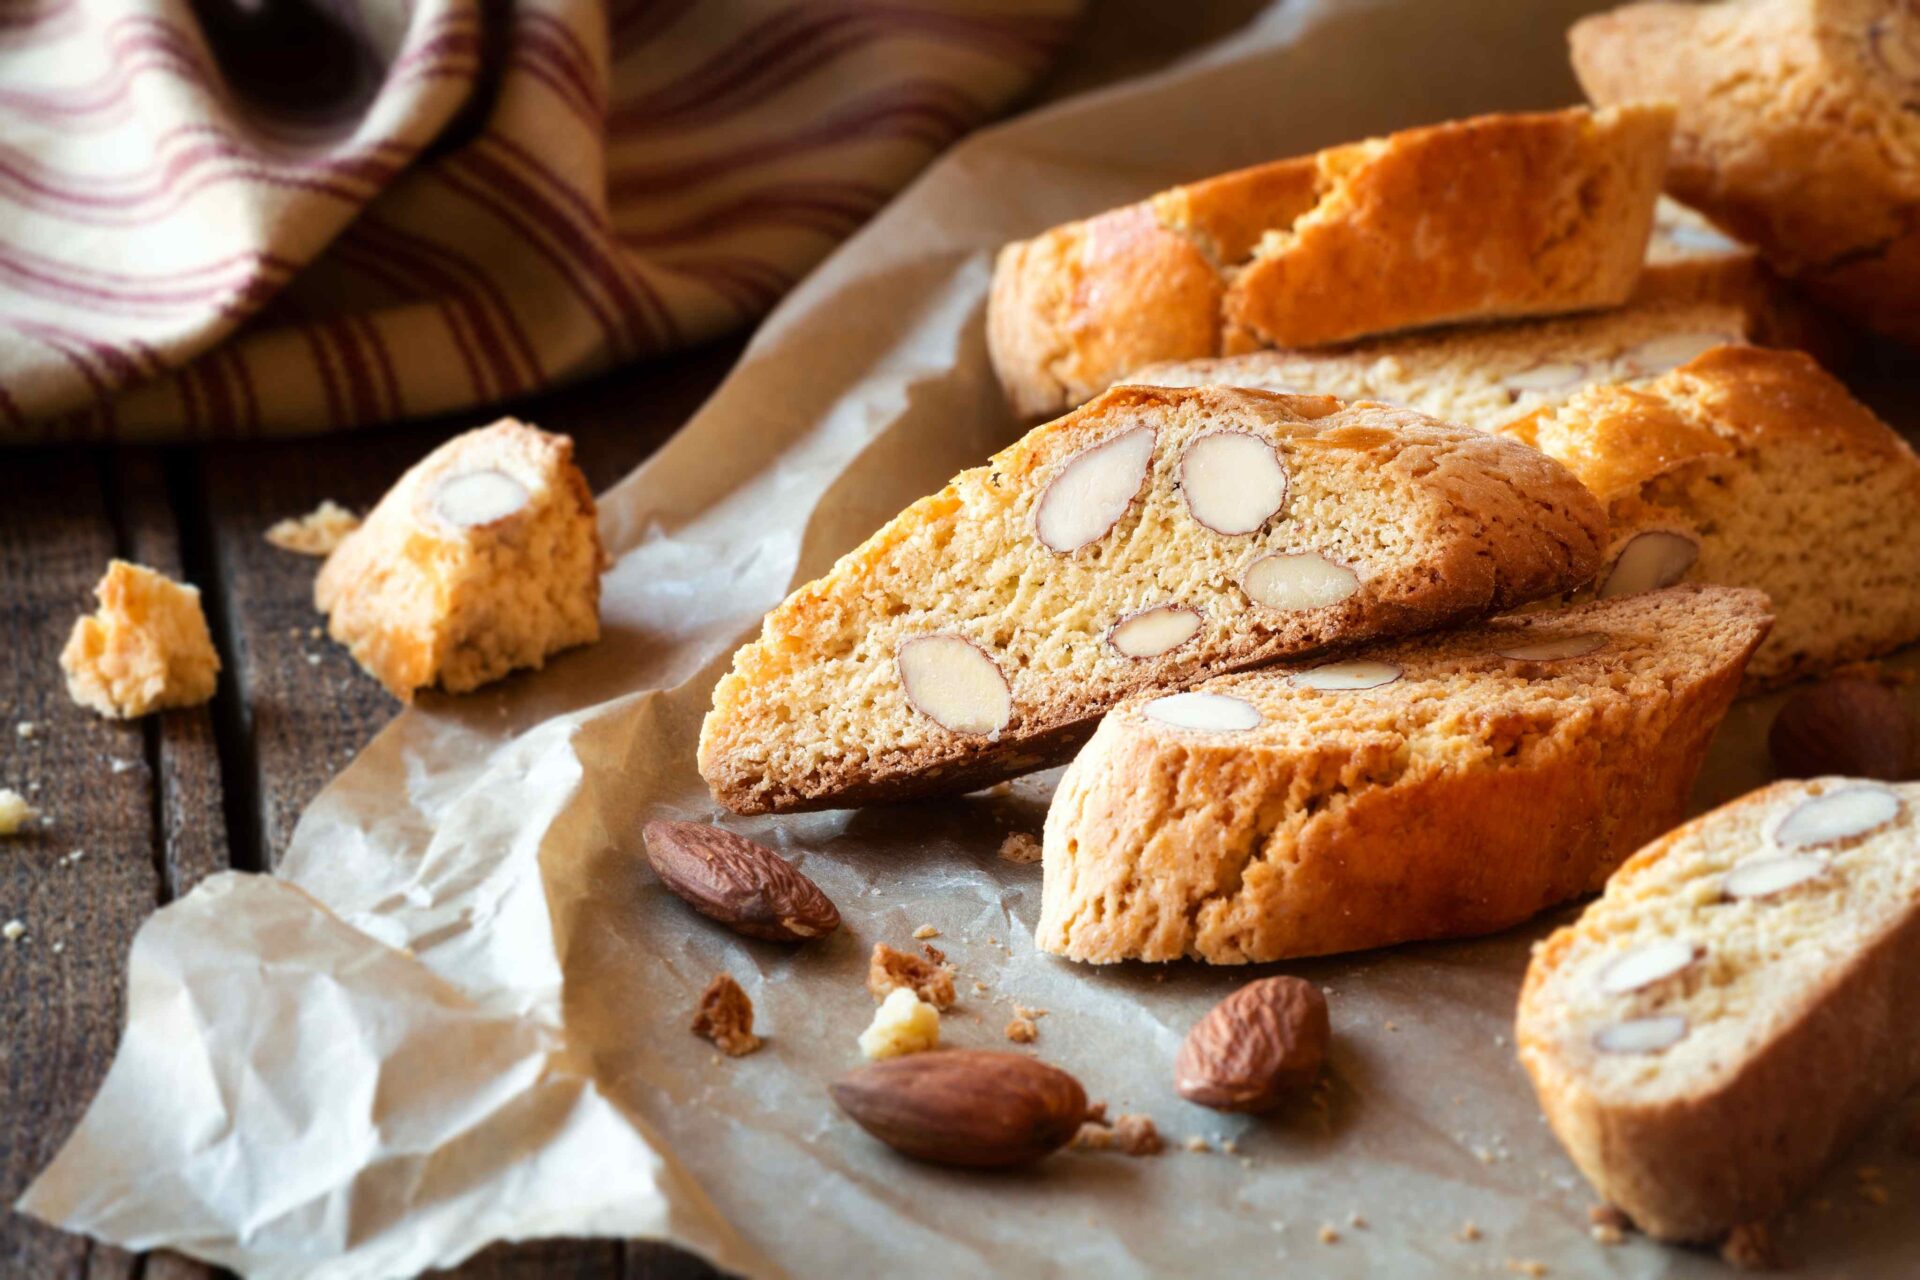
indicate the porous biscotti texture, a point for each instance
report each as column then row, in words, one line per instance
column 1481, row 376
column 1798, row 1017
column 1794, row 132
column 1405, row 523
column 146, row 649
column 482, row 559
column 1492, row 217
column 1782, row 481
column 1467, row 792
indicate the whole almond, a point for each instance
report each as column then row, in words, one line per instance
column 1265, row 1041
column 745, row 886
column 968, row 1107
column 1847, row 725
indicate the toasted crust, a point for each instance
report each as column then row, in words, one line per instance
column 1691, row 1151
column 1438, row 524
column 1463, row 797
column 1793, row 133
column 1495, row 216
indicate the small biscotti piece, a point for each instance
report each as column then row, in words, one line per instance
column 1496, row 216
column 1153, row 538
column 1717, row 1028
column 1754, row 468
column 1437, row 786
column 1481, row 376
column 484, row 558
column 145, row 650
column 1795, row 132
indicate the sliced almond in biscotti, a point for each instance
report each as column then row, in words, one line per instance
column 1434, row 786
column 1715, row 1093
column 1152, row 539
column 1751, row 467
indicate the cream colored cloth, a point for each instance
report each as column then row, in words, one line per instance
column 260, row 220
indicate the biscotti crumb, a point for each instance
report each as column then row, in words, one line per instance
column 725, row 1016
column 1096, row 1112
column 1022, row 1030
column 1751, row 1248
column 13, row 930
column 1328, row 1234
column 1606, row 1234
column 937, row 956
column 15, row 812
column 147, row 647
column 1607, row 1215
column 1527, row 1267
column 316, row 533
column 26, row 729
column 889, row 970
column 1136, row 1135
column 1093, row 1136
column 1020, row 848
column 1356, row 1219
column 925, row 931
column 1198, row 1145
column 904, row 1023
column 1468, row 1233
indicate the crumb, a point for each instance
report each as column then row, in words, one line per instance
column 15, row 812
column 1093, row 1136
column 74, row 856
column 1021, row 1030
column 1198, row 1145
column 1499, row 1042
column 938, row 956
column 725, row 1016
column 993, row 942
column 13, row 930
column 147, row 648
column 1096, row 1112
column 1526, row 1267
column 26, row 728
column 1328, row 1235
column 1469, row 1232
column 1136, row 1135
column 979, row 988
column 1021, row 848
column 925, row 931
column 1606, row 1233
column 60, row 946
column 904, row 1023
column 889, row 970
column 317, row 533
column 313, row 659
column 1229, row 1146
column 1751, row 1248
column 1357, row 1221
column 1606, row 1215
column 118, row 765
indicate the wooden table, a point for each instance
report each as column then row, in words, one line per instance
column 158, row 804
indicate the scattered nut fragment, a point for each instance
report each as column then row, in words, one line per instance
column 1840, row 814
column 475, row 498
column 1307, row 580
column 1232, row 481
column 1022, row 1029
column 1021, row 848
column 745, row 886
column 951, row 681
column 1093, row 491
column 1329, row 1234
column 725, row 1016
column 937, row 956
column 317, row 533
column 1262, row 1043
column 1651, row 560
column 1847, row 725
column 1751, row 1248
column 925, row 931
column 1148, row 633
column 889, row 970
column 1208, row 712
column 965, row 1107
column 903, row 1024
column 15, row 812
column 1136, row 1135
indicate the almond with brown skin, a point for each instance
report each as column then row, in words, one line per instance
column 1265, row 1041
column 745, row 886
column 1848, row 725
column 968, row 1107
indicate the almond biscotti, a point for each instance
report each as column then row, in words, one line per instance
column 1498, row 216
column 482, row 559
column 1755, row 468
column 1795, row 131
column 1723, row 1022
column 1151, row 539
column 1431, row 787
column 1482, row 376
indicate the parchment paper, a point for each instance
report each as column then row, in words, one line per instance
column 460, row 1013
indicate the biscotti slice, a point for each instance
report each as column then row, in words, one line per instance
column 1481, row 376
column 1432, row 787
column 484, row 558
column 1153, row 538
column 1755, row 468
column 1723, row 1022
column 1505, row 215
column 145, row 650
column 1795, row 132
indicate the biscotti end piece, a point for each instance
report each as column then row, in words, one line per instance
column 1496, row 216
column 147, row 648
column 1153, row 538
column 1751, row 467
column 1714, row 1030
column 482, row 559
column 1436, row 786
column 1794, row 132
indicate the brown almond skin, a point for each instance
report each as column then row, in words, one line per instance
column 973, row 1108
column 745, row 886
column 1847, row 725
column 1251, row 1051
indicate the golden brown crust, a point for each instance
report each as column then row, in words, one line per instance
column 1317, row 833
column 1495, row 216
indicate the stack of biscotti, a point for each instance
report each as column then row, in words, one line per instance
column 1717, row 1028
column 1446, row 784
column 1151, row 539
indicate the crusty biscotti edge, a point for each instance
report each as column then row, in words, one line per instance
column 1695, row 1168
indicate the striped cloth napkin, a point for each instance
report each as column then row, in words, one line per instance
column 254, row 217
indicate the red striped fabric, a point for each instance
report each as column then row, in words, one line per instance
column 225, row 219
